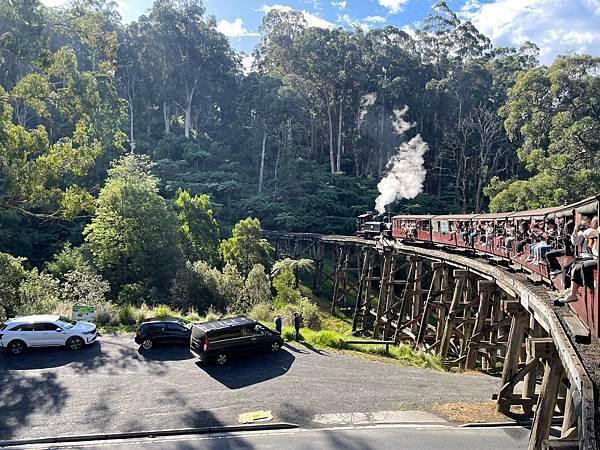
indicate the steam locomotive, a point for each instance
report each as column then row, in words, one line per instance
column 499, row 235
column 373, row 225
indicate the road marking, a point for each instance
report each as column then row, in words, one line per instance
column 255, row 416
column 378, row 417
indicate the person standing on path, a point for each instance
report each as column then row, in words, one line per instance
column 278, row 323
column 297, row 323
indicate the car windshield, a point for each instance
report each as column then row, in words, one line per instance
column 2, row 326
column 65, row 322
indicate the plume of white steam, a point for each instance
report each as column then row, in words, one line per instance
column 406, row 174
column 366, row 102
column 406, row 169
column 400, row 125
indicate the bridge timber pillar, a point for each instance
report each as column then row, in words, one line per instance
column 519, row 320
column 364, row 298
column 318, row 254
column 544, row 349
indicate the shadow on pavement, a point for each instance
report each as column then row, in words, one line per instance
column 249, row 370
column 22, row 396
column 316, row 350
column 295, row 349
column 166, row 353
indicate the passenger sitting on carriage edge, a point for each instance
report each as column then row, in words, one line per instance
column 510, row 235
column 539, row 250
column 566, row 249
column 582, row 270
column 523, row 236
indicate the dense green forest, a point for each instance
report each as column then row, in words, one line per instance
column 129, row 151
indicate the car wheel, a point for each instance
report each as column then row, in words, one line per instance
column 147, row 344
column 75, row 343
column 221, row 359
column 275, row 346
column 17, row 347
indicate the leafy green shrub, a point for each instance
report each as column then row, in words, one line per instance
column 84, row 287
column 285, row 286
column 69, row 259
column 193, row 316
column 103, row 314
column 262, row 312
column 211, row 314
column 327, row 338
column 39, row 293
column 142, row 313
column 114, row 320
column 137, row 294
column 288, row 334
column 198, row 285
column 126, row 315
column 257, row 289
column 162, row 311
column 310, row 314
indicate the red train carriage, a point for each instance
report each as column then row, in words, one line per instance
column 491, row 233
column 412, row 227
column 530, row 228
column 452, row 229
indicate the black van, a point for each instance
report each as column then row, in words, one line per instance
column 219, row 340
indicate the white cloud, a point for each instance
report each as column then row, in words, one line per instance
column 374, row 19
column 234, row 29
column 556, row 26
column 311, row 19
column 395, row 6
column 341, row 4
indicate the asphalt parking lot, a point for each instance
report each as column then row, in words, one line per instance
column 112, row 387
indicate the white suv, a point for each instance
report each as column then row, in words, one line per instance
column 16, row 335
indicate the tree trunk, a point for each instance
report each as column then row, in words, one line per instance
column 188, row 112
column 381, row 125
column 131, row 133
column 262, row 162
column 331, row 154
column 339, row 142
column 167, row 118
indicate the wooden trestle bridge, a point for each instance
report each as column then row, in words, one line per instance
column 474, row 314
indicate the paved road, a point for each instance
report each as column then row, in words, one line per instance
column 363, row 438
column 112, row 387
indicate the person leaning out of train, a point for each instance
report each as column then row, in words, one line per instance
column 582, row 269
column 565, row 248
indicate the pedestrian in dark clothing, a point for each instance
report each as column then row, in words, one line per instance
column 297, row 324
column 278, row 323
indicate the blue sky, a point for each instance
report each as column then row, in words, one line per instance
column 557, row 26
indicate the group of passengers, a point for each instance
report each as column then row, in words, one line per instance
column 545, row 242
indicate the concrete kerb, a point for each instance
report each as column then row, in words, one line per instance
column 148, row 434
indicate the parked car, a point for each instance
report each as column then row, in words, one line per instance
column 220, row 340
column 162, row 331
column 18, row 334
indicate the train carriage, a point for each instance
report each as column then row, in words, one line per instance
column 491, row 236
column 529, row 227
column 412, row 227
column 452, row 229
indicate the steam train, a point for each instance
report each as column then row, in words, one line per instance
column 507, row 236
